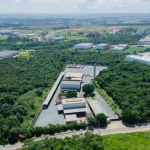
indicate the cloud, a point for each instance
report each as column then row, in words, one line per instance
column 75, row 6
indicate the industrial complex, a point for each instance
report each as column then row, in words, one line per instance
column 8, row 53
column 57, row 109
column 141, row 57
column 54, row 37
column 145, row 41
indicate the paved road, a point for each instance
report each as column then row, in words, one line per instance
column 50, row 115
column 112, row 128
column 104, row 106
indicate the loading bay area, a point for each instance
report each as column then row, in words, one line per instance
column 50, row 114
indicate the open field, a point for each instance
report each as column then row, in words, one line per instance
column 129, row 141
column 76, row 38
column 3, row 37
column 133, row 49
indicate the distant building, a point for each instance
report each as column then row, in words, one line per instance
column 141, row 57
column 121, row 47
column 83, row 46
column 8, row 53
column 102, row 46
column 54, row 37
column 143, row 31
column 140, row 31
column 145, row 41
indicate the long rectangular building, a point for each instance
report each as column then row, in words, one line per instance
column 8, row 53
column 83, row 46
column 53, row 90
column 141, row 57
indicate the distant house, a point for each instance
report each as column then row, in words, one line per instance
column 121, row 47
column 102, row 46
column 83, row 46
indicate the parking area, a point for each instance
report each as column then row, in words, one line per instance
column 51, row 116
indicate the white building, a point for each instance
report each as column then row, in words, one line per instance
column 83, row 46
column 121, row 47
column 70, row 103
column 54, row 37
column 102, row 46
column 140, row 31
column 141, row 57
column 145, row 41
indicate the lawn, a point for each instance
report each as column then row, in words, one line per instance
column 128, row 141
column 135, row 49
column 76, row 38
column 3, row 37
column 26, row 53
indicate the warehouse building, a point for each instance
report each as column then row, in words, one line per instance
column 71, row 108
column 141, row 57
column 73, row 76
column 83, row 46
column 102, row 46
column 121, row 47
column 54, row 37
column 8, row 53
column 70, row 85
column 145, row 41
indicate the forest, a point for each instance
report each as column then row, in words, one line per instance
column 19, row 76
column 129, row 86
column 88, row 141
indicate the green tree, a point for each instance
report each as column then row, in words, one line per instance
column 101, row 118
column 71, row 94
column 88, row 89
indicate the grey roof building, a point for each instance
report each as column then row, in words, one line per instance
column 8, row 53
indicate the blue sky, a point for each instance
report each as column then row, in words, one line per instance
column 75, row 6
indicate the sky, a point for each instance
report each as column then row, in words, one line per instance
column 74, row 6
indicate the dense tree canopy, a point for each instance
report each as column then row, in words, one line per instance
column 87, row 142
column 128, row 83
column 88, row 89
column 71, row 94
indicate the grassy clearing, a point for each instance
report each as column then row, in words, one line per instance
column 129, row 141
column 3, row 38
column 31, row 99
column 26, row 53
column 135, row 49
column 76, row 38
column 107, row 98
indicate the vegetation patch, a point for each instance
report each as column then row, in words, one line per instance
column 128, row 141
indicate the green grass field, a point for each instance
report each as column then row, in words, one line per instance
column 3, row 37
column 133, row 49
column 129, row 141
column 76, row 38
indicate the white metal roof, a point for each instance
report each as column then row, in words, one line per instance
column 95, row 107
column 73, row 75
column 73, row 100
column 118, row 48
column 59, row 107
column 84, row 44
column 71, row 118
column 102, row 44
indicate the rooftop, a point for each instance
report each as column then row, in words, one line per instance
column 102, row 44
column 73, row 75
column 141, row 56
column 73, row 100
column 7, row 53
column 71, row 118
column 84, row 44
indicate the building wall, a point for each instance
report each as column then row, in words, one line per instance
column 83, row 46
column 102, row 47
column 74, row 105
column 70, row 86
